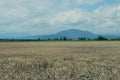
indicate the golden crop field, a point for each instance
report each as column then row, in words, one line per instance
column 60, row 60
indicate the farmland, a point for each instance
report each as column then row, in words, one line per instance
column 92, row 60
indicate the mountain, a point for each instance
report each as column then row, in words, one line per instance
column 71, row 34
column 112, row 36
column 14, row 35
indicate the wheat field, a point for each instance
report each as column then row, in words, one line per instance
column 60, row 60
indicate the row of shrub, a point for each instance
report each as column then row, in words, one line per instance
column 99, row 38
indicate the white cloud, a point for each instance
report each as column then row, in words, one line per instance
column 91, row 2
column 81, row 2
column 37, row 15
column 106, row 19
column 66, row 17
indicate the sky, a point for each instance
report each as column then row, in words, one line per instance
column 51, row 16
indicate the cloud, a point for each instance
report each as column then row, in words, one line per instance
column 80, row 2
column 66, row 17
column 105, row 19
column 91, row 2
column 46, row 16
column 108, row 17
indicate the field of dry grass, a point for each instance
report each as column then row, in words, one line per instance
column 60, row 61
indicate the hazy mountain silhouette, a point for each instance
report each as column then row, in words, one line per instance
column 14, row 35
column 70, row 34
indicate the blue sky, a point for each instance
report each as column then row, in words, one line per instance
column 51, row 16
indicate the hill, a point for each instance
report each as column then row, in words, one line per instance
column 71, row 34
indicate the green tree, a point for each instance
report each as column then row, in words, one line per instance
column 64, row 38
column 82, row 38
column 101, row 38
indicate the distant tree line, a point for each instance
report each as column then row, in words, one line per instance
column 99, row 38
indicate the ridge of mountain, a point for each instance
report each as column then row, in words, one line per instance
column 70, row 34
